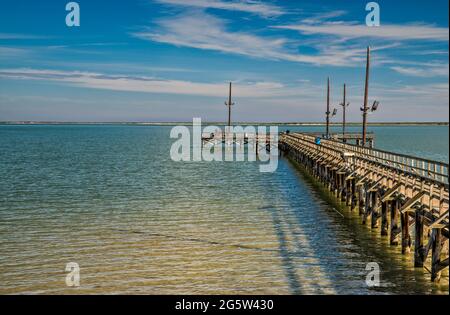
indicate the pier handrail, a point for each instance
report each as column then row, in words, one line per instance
column 429, row 169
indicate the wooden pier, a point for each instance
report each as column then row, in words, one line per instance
column 239, row 138
column 406, row 197
column 353, row 137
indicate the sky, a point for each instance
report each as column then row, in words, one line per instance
column 171, row 60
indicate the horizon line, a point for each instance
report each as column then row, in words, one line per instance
column 42, row 122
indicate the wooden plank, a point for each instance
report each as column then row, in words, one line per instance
column 351, row 176
column 442, row 265
column 363, row 178
column 390, row 192
column 374, row 186
column 411, row 202
column 437, row 224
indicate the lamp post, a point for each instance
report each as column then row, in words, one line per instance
column 327, row 133
column 344, row 105
column 366, row 109
column 229, row 104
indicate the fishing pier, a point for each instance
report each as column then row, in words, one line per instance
column 400, row 195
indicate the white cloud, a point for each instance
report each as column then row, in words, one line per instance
column 385, row 31
column 279, row 102
column 249, row 6
column 8, row 52
column 323, row 16
column 147, row 84
column 203, row 31
column 20, row 36
column 434, row 93
column 432, row 70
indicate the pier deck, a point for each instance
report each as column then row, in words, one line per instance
column 409, row 195
column 347, row 137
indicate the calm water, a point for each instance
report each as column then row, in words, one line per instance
column 110, row 199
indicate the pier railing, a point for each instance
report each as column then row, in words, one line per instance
column 427, row 169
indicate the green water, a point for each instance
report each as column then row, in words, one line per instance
column 110, row 199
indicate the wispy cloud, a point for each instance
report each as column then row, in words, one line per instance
column 431, row 70
column 207, row 32
column 385, row 31
column 314, row 19
column 8, row 52
column 146, row 84
column 249, row 6
column 294, row 98
column 7, row 36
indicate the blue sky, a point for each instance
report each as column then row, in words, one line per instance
column 170, row 60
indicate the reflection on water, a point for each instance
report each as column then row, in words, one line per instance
column 110, row 199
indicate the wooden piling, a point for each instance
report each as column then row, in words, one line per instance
column 375, row 213
column 361, row 200
column 348, row 192
column 384, row 218
column 406, row 238
column 436, row 248
column 354, row 194
column 394, row 222
column 418, row 239
column 367, row 207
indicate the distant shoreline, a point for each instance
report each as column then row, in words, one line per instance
column 300, row 124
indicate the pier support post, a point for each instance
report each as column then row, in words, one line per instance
column 335, row 183
column 348, row 193
column 406, row 238
column 384, row 218
column 354, row 195
column 436, row 248
column 344, row 189
column 394, row 222
column 330, row 179
column 418, row 242
column 338, row 185
column 367, row 206
column 375, row 213
column 361, row 200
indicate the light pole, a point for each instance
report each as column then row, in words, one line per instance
column 328, row 109
column 366, row 98
column 366, row 109
column 229, row 104
column 344, row 105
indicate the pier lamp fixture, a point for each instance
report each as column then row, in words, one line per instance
column 375, row 106
column 372, row 109
column 334, row 113
column 330, row 115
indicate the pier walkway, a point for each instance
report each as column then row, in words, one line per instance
column 406, row 197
